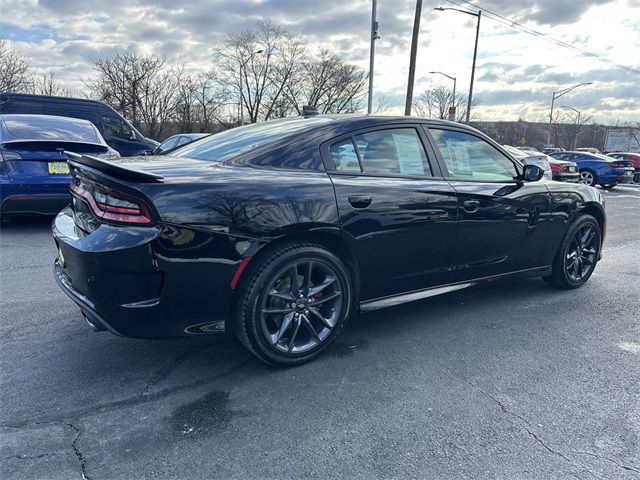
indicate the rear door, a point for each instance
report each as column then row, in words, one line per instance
column 503, row 222
column 396, row 211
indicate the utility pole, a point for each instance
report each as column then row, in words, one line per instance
column 372, row 51
column 473, row 67
column 412, row 61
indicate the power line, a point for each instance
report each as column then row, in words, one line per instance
column 513, row 24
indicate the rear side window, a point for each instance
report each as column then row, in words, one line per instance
column 396, row 151
column 344, row 156
column 168, row 144
column 183, row 141
column 468, row 157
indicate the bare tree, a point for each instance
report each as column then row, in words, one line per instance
column 435, row 102
column 199, row 102
column 15, row 73
column 140, row 87
column 260, row 61
column 48, row 84
column 328, row 83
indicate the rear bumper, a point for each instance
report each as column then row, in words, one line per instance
column 617, row 176
column 34, row 204
column 566, row 177
column 126, row 281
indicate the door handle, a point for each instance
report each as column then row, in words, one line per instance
column 471, row 206
column 359, row 201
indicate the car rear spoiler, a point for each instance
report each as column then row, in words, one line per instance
column 112, row 168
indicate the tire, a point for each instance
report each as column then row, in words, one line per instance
column 576, row 260
column 609, row 186
column 588, row 177
column 636, row 178
column 286, row 318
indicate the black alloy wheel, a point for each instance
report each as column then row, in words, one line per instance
column 292, row 303
column 578, row 254
column 301, row 306
column 583, row 249
column 636, row 178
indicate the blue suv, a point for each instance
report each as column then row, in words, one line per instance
column 599, row 169
column 117, row 132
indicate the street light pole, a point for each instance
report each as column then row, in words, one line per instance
column 242, row 65
column 478, row 15
column 372, row 51
column 454, row 91
column 556, row 95
column 412, row 60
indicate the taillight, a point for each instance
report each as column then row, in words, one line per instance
column 113, row 206
column 556, row 168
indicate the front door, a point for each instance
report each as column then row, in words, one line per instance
column 396, row 211
column 503, row 222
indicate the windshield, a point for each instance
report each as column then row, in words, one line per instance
column 49, row 128
column 230, row 143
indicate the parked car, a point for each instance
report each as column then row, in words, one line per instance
column 34, row 175
column 563, row 170
column 279, row 231
column 599, row 169
column 550, row 150
column 530, row 158
column 176, row 141
column 634, row 158
column 118, row 133
column 588, row 150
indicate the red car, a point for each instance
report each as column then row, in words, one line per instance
column 632, row 157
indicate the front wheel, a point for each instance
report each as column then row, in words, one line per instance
column 636, row 178
column 293, row 303
column 577, row 255
column 587, row 177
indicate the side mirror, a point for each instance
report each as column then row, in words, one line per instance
column 532, row 173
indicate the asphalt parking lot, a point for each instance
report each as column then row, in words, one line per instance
column 511, row 380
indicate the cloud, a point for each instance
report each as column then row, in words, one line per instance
column 516, row 73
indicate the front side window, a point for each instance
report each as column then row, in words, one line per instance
column 468, row 157
column 115, row 127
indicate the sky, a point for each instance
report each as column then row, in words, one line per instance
column 516, row 73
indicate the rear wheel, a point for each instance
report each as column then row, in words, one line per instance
column 636, row 178
column 588, row 177
column 578, row 254
column 293, row 304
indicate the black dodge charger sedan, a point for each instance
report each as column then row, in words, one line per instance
column 280, row 231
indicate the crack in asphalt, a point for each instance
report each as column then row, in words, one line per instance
column 523, row 422
column 76, row 450
column 126, row 402
column 602, row 457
